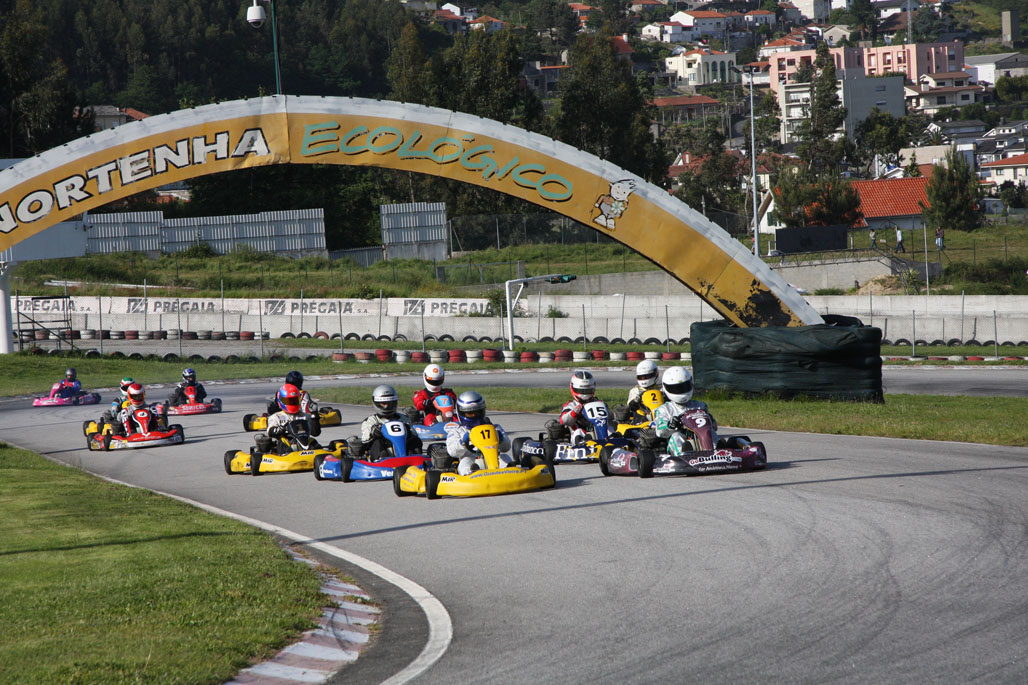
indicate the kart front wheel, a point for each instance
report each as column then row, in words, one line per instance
column 432, row 483
column 229, row 456
column 345, row 466
column 515, row 448
column 85, row 428
column 107, row 442
column 605, row 459
column 397, row 477
column 248, row 421
column 318, row 461
column 255, row 463
column 647, row 458
column 217, row 404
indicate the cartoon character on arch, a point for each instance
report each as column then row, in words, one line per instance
column 613, row 204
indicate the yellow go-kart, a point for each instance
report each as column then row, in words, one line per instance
column 296, row 451
column 632, row 425
column 326, row 416
column 531, row 474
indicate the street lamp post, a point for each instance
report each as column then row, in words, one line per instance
column 256, row 16
column 512, row 302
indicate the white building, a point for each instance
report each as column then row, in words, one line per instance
column 859, row 95
column 667, row 32
column 989, row 68
column 703, row 66
column 703, row 22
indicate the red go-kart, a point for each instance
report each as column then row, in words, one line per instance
column 191, row 406
column 146, row 429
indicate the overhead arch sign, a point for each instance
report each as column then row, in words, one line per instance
column 93, row 171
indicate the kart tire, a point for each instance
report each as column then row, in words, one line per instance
column 397, row 477
column 432, row 483
column 605, row 459
column 255, row 463
column 335, row 444
column 549, row 450
column 217, row 404
column 85, row 428
column 345, row 467
column 441, row 459
column 248, row 420
column 516, row 446
column 89, row 443
column 763, row 450
column 646, row 460
column 319, row 459
column 553, row 470
column 229, row 456
column 107, row 442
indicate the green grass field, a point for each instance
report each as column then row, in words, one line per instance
column 101, row 583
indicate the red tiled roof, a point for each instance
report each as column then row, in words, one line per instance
column 705, row 51
column 1016, row 160
column 134, row 113
column 755, row 12
column 683, row 100
column 885, row 198
column 621, row 46
column 705, row 14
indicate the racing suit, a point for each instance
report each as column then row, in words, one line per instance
column 459, row 447
column 677, row 438
column 178, row 397
column 375, row 444
column 307, row 406
column 268, row 442
column 572, row 424
column 113, row 412
column 68, row 389
column 127, row 424
column 423, row 402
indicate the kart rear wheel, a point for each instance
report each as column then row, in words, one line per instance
column 515, row 448
column 229, row 456
column 432, row 484
column 319, row 459
column 762, row 451
column 345, row 467
column 217, row 404
column 248, row 421
column 646, row 458
column 89, row 442
column 397, row 477
column 336, row 444
column 605, row 458
column 180, row 430
column 549, row 450
column 440, row 457
column 85, row 428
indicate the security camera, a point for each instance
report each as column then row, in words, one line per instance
column 255, row 15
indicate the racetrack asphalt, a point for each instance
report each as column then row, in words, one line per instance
column 849, row 558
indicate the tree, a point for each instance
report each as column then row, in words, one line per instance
column 927, row 25
column 954, row 195
column 833, row 201
column 912, row 170
column 554, row 19
column 406, row 67
column 819, row 145
column 604, row 111
column 768, row 124
column 865, row 18
column 879, row 134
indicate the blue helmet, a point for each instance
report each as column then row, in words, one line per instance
column 189, row 376
column 470, row 409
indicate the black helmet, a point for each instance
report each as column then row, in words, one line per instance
column 295, row 378
column 69, row 373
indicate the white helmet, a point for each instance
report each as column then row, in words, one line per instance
column 385, row 400
column 583, row 386
column 646, row 373
column 434, row 376
column 677, row 384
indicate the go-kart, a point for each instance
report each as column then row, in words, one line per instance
column 191, row 406
column 146, row 429
column 296, row 451
column 327, row 416
column 56, row 401
column 583, row 451
column 348, row 468
column 631, row 425
column 708, row 453
column 443, row 405
column 533, row 473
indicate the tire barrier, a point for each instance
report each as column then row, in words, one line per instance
column 219, row 335
column 196, row 358
column 529, row 357
column 204, row 335
column 214, row 359
column 670, row 356
column 235, row 335
column 491, row 355
column 473, row 355
column 419, row 357
column 188, row 335
column 545, row 357
column 580, row 356
column 91, row 354
column 246, row 335
column 364, row 357
column 599, row 354
column 342, row 357
column 457, row 356
column 634, row 356
column 321, row 335
column 172, row 334
column 401, row 356
column 136, row 356
column 651, row 355
column 303, row 334
column 169, row 357
column 287, row 335
column 510, row 356
column 438, row 356
column 131, row 335
column 384, row 355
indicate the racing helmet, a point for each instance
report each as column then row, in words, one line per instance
column 189, row 375
column 69, row 373
column 288, row 399
column 434, row 376
column 677, row 384
column 124, row 384
column 583, row 385
column 295, row 378
column 385, row 399
column 136, row 395
column 470, row 409
column 646, row 373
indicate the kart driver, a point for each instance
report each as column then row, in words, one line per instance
column 178, row 397
column 69, row 386
column 433, row 376
column 372, row 441
column 471, row 413
column 287, row 401
column 572, row 423
column 677, row 386
column 307, row 405
column 127, row 422
column 121, row 402
column 645, row 379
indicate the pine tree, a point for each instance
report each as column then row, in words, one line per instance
column 954, row 195
column 817, row 133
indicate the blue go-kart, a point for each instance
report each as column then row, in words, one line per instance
column 348, row 468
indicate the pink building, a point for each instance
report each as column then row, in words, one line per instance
column 913, row 60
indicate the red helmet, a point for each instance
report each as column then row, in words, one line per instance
column 136, row 395
column 289, row 399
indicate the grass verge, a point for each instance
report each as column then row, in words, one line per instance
column 102, row 583
column 919, row 417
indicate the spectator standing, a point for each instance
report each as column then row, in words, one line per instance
column 899, row 240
